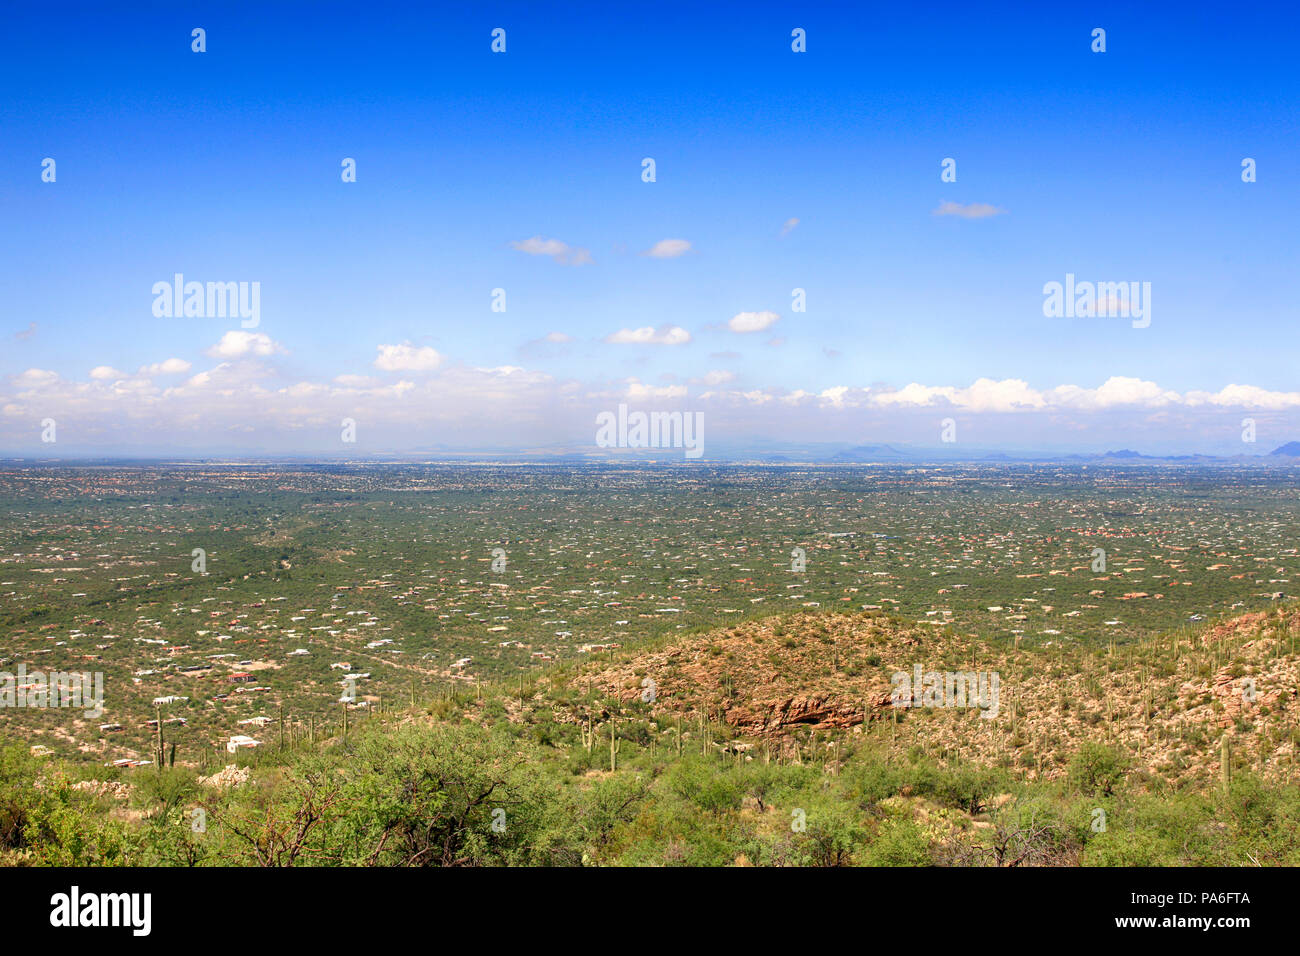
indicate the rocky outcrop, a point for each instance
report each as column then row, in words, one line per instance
column 228, row 776
column 763, row 717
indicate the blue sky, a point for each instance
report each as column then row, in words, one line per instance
column 225, row 165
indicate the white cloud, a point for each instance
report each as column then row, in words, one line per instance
column 1245, row 396
column 788, row 226
column 407, row 358
column 353, row 381
column 835, row 396
column 561, row 252
column 646, row 335
column 36, row 378
column 636, row 391
column 746, row 322
column 1116, row 391
column 717, row 376
column 974, row 210
column 513, row 406
column 668, row 249
column 984, row 395
column 239, row 344
column 171, row 366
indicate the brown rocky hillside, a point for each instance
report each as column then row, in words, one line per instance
column 812, row 678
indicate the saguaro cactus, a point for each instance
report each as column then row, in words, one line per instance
column 1225, row 763
column 615, row 745
column 158, row 734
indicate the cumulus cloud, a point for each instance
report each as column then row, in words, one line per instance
column 984, row 395
column 237, row 344
column 407, row 358
column 1116, row 391
column 1009, row 396
column 354, row 381
column 638, row 392
column 36, row 378
column 668, row 249
column 974, row 210
column 1246, row 396
column 461, row 404
column 561, row 252
column 717, row 376
column 835, row 396
column 517, row 407
column 225, row 378
column 171, row 366
column 647, row 335
column 746, row 322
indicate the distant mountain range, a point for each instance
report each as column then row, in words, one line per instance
column 881, row 453
column 864, row 454
column 717, row 452
column 870, row 453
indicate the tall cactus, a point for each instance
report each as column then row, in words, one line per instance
column 158, row 735
column 615, row 745
column 1225, row 763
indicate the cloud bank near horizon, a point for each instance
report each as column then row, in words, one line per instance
column 412, row 397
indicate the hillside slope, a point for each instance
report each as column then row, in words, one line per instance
column 782, row 683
